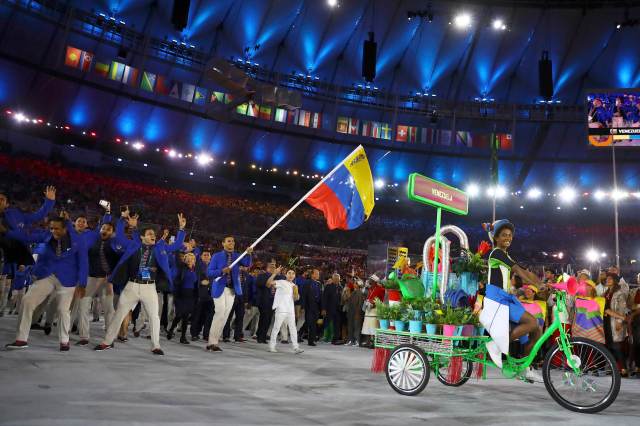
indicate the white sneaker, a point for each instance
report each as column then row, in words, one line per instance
column 273, row 350
column 495, row 353
column 297, row 351
column 355, row 343
column 533, row 375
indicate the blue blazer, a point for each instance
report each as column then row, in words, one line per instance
column 17, row 219
column 217, row 264
column 161, row 251
column 71, row 268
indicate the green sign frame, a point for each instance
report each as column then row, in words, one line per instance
column 458, row 197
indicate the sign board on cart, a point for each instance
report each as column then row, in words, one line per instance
column 429, row 191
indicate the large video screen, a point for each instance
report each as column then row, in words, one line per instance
column 613, row 117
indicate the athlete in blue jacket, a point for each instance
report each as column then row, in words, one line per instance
column 144, row 261
column 62, row 265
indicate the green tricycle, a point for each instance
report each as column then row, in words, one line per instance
column 581, row 375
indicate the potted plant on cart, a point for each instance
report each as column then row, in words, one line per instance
column 451, row 321
column 404, row 316
column 415, row 322
column 431, row 319
column 469, row 267
column 383, row 313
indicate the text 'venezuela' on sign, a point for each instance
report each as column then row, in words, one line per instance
column 429, row 191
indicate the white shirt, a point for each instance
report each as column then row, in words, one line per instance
column 283, row 299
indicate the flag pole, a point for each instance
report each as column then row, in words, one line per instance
column 300, row 201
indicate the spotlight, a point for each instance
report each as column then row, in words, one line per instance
column 534, row 193
column 560, row 255
column 233, row 163
column 599, row 195
column 636, row 194
column 203, row 159
column 172, row 154
column 499, row 25
column 567, row 195
column 592, row 255
column 190, row 173
column 603, row 254
column 498, row 192
column 379, row 184
column 332, row 3
column 618, row 194
column 473, row 190
column 145, row 165
column 462, row 20
column 137, row 146
column 253, row 166
column 20, row 117
column 295, row 172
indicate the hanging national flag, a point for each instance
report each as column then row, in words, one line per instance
column 506, row 142
column 281, row 115
column 316, row 120
column 444, row 137
column 367, row 128
column 200, row 96
column 130, row 75
column 346, row 197
column 217, row 97
column 85, row 61
column 412, row 134
column 385, row 131
column 401, row 133
column 342, row 125
column 425, row 135
column 117, row 71
column 228, row 98
column 265, row 112
column 253, row 109
column 163, row 85
column 148, row 81
column 175, row 89
column 72, row 57
column 101, row 69
column 463, row 139
column 188, row 91
column 304, row 118
column 292, row 117
column 242, row 109
column 354, row 126
column 375, row 129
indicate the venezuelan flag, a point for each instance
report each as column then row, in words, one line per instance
column 346, row 196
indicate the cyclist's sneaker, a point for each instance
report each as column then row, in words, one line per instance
column 495, row 353
column 533, row 375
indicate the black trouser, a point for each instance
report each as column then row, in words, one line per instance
column 202, row 317
column 238, row 310
column 263, row 323
column 311, row 322
column 183, row 328
column 335, row 318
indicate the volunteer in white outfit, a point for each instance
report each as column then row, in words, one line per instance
column 283, row 304
column 497, row 292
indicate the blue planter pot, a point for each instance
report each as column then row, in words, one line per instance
column 384, row 324
column 479, row 331
column 432, row 328
column 401, row 325
column 415, row 326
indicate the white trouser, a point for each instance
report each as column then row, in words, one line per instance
column 16, row 299
column 142, row 317
column 223, row 306
column 5, row 287
column 133, row 294
column 94, row 286
column 251, row 316
column 75, row 309
column 290, row 319
column 37, row 293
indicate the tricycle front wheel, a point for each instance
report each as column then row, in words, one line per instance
column 408, row 370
